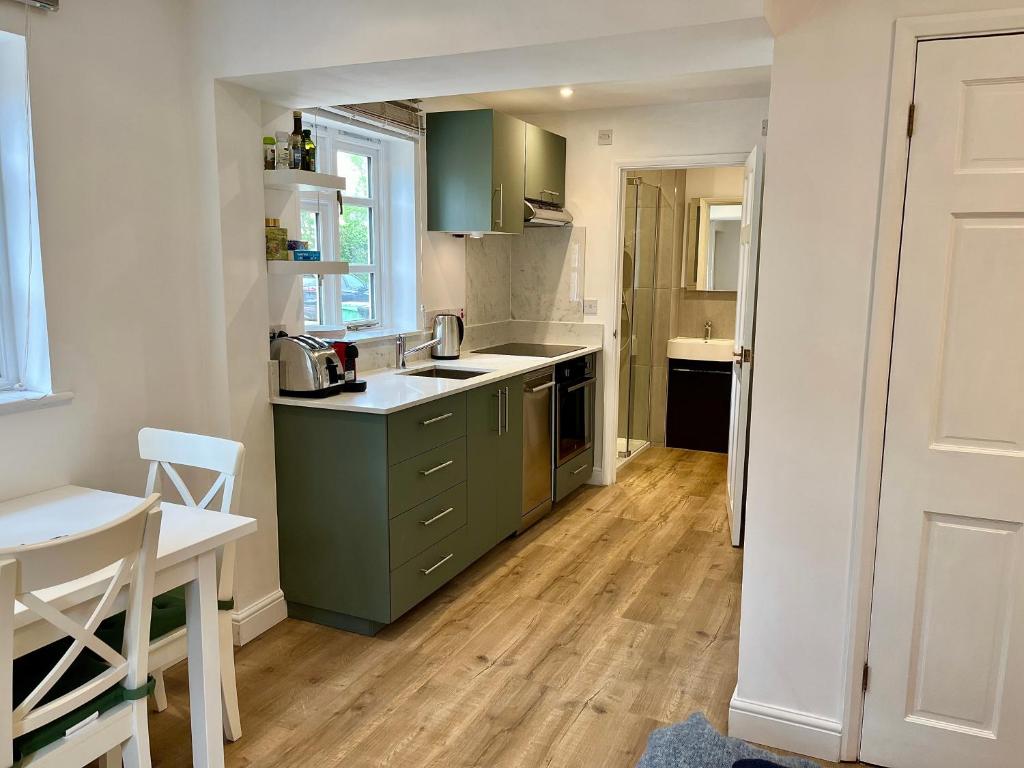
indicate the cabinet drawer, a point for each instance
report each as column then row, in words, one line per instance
column 426, row 524
column 573, row 474
column 427, row 571
column 422, row 477
column 416, row 430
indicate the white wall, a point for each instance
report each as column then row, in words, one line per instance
column 641, row 135
column 110, row 114
column 828, row 109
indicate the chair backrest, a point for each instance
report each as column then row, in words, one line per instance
column 166, row 450
column 125, row 550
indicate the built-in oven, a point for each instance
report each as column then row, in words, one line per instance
column 575, row 382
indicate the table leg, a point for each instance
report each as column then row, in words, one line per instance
column 204, row 664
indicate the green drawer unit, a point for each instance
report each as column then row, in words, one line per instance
column 427, row 571
column 424, row 525
column 422, row 477
column 573, row 474
column 369, row 505
column 418, row 429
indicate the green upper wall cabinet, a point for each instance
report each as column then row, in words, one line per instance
column 545, row 166
column 476, row 164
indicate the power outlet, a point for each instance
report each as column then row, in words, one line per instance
column 590, row 307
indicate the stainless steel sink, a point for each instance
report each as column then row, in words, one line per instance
column 445, row 373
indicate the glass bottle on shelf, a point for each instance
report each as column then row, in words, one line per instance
column 308, row 151
column 283, row 153
column 295, row 142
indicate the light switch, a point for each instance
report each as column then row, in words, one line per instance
column 590, row 306
column 604, row 137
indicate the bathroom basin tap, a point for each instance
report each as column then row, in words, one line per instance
column 707, row 331
column 401, row 353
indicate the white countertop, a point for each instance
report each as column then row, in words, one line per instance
column 389, row 390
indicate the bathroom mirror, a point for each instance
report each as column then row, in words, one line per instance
column 713, row 243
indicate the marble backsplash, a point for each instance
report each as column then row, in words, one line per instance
column 537, row 276
column 547, row 267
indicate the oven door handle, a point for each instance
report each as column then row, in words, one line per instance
column 581, row 385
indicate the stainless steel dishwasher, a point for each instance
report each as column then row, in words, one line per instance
column 538, row 445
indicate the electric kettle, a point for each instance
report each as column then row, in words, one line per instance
column 448, row 332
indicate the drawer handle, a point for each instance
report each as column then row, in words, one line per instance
column 577, row 471
column 436, row 419
column 541, row 388
column 437, row 517
column 432, row 470
column 438, row 564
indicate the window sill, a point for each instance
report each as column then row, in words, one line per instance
column 15, row 402
column 369, row 334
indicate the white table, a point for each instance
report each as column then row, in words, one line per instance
column 186, row 554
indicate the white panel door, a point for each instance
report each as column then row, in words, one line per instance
column 746, row 295
column 947, row 628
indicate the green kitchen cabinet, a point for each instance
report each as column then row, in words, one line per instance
column 545, row 166
column 494, row 426
column 476, row 166
column 376, row 512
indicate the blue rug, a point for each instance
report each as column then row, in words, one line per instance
column 696, row 744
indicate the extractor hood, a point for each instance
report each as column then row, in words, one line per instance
column 538, row 214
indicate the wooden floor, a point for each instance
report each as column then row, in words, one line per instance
column 566, row 646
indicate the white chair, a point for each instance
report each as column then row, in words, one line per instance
column 60, row 706
column 166, row 450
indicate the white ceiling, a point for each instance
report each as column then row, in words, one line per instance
column 708, row 61
column 750, row 82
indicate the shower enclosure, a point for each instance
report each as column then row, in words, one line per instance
column 636, row 313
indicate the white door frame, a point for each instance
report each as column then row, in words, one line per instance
column 611, row 379
column 908, row 31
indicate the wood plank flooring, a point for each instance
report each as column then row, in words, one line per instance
column 616, row 615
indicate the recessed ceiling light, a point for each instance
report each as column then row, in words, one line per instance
column 566, row 92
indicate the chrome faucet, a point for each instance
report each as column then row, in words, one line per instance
column 707, row 331
column 401, row 353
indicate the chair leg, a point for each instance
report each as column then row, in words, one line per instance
column 136, row 749
column 112, row 759
column 159, row 691
column 228, row 686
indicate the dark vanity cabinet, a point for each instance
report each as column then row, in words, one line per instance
column 699, row 395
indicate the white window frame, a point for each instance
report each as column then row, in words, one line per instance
column 329, row 142
column 9, row 360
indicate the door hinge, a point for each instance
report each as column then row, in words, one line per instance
column 865, row 678
column 748, row 355
column 910, row 121
column 764, row 127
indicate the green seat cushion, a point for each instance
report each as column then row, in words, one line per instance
column 168, row 615
column 30, row 669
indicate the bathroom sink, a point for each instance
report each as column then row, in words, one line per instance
column 686, row 348
column 436, row 372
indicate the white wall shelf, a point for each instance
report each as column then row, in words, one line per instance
column 307, row 268
column 290, row 180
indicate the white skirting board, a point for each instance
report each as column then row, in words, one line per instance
column 252, row 621
column 785, row 729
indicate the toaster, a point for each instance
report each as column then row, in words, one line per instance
column 308, row 367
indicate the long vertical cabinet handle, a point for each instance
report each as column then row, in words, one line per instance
column 506, row 410
column 501, row 206
column 500, row 410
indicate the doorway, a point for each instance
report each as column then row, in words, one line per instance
column 947, row 618
column 687, row 278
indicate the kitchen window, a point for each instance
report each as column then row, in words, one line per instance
column 358, row 235
column 24, row 347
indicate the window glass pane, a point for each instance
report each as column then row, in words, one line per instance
column 355, row 169
column 311, row 299
column 354, row 241
column 309, row 228
column 356, row 296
